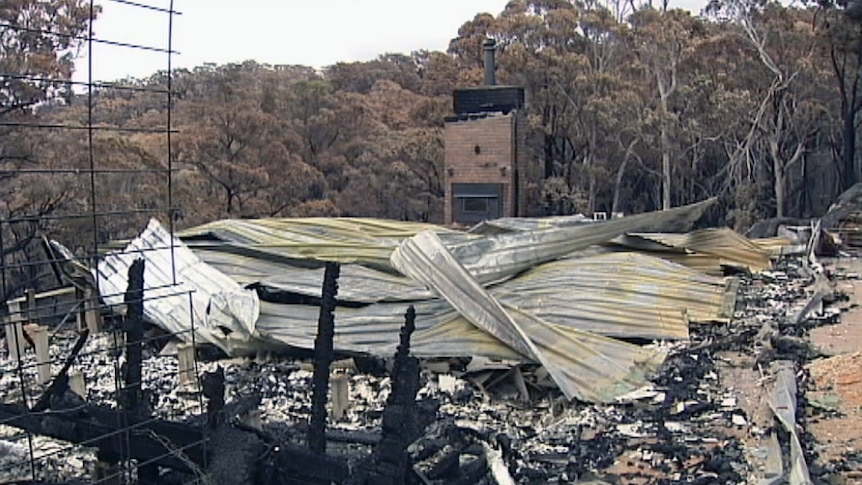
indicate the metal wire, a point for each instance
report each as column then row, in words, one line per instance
column 69, row 82
column 89, row 39
column 31, row 267
column 89, row 127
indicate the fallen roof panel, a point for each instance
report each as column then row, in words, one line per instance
column 617, row 294
column 583, row 365
column 194, row 295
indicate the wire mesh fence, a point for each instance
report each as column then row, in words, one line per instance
column 89, row 391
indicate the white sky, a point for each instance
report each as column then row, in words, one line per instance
column 314, row 33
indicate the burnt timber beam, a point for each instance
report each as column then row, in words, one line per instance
column 155, row 441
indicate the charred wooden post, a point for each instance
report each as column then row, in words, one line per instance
column 323, row 357
column 391, row 462
column 132, row 373
column 30, row 296
column 213, row 389
column 134, row 327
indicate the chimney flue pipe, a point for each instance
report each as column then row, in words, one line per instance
column 490, row 47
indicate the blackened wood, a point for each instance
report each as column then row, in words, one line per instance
column 103, row 427
column 213, row 389
column 134, row 326
column 323, row 357
column 399, row 427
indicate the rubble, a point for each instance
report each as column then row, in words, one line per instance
column 496, row 415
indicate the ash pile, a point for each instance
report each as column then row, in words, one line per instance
column 362, row 351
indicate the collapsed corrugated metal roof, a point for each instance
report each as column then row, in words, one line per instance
column 305, row 242
column 622, row 295
column 506, row 225
column 779, row 246
column 707, row 250
column 642, row 297
column 538, row 295
column 704, row 263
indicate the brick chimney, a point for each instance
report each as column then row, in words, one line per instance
column 485, row 160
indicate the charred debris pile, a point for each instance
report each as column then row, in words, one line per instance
column 362, row 351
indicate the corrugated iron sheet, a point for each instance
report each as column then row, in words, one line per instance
column 307, row 241
column 622, row 287
column 583, row 365
column 506, row 225
column 779, row 246
column 498, row 257
column 731, row 248
column 194, row 294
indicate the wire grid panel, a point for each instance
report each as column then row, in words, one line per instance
column 89, row 391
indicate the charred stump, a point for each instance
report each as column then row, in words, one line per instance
column 391, row 462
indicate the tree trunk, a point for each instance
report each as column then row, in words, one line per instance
column 780, row 178
column 591, row 171
column 851, row 172
column 229, row 200
column 615, row 205
column 665, row 169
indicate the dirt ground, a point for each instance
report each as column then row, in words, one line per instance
column 834, row 392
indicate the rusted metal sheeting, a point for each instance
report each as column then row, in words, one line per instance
column 779, row 246
column 310, row 241
column 445, row 274
column 621, row 287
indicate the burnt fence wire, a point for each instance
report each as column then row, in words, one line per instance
column 88, row 390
